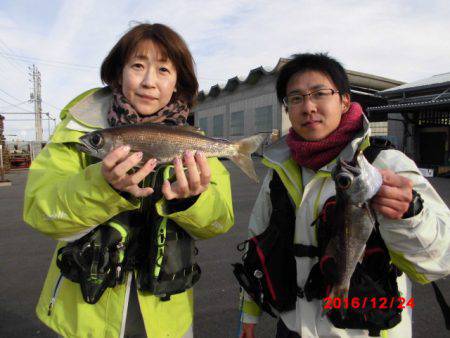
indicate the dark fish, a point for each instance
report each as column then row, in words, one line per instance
column 356, row 183
column 164, row 143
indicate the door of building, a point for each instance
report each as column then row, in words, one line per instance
column 432, row 148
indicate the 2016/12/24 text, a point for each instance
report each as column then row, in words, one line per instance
column 367, row 302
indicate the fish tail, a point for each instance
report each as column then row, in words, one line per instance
column 245, row 148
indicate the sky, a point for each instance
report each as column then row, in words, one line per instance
column 68, row 40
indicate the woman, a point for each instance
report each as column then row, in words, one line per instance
column 414, row 222
column 150, row 77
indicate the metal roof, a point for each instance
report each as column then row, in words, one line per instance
column 358, row 78
column 410, row 105
column 434, row 81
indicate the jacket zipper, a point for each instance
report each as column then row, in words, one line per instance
column 55, row 294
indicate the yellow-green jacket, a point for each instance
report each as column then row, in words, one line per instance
column 66, row 198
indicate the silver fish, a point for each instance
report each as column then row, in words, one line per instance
column 164, row 143
column 356, row 183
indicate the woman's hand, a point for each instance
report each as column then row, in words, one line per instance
column 196, row 182
column 394, row 196
column 115, row 167
column 248, row 330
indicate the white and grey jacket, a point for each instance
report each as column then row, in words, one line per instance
column 419, row 246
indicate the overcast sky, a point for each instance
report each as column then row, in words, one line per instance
column 67, row 41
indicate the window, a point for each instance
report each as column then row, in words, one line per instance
column 237, row 123
column 218, row 125
column 203, row 124
column 379, row 128
column 263, row 119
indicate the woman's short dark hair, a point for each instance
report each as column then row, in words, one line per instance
column 319, row 62
column 172, row 46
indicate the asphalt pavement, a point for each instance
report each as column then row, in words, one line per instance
column 25, row 255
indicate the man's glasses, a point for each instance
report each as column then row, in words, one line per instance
column 316, row 96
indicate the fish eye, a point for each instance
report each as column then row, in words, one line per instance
column 96, row 140
column 344, row 181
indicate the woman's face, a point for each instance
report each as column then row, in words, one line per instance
column 319, row 114
column 148, row 80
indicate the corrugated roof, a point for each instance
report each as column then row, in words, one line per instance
column 410, row 105
column 430, row 82
column 255, row 74
column 232, row 83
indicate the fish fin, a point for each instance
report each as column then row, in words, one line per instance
column 190, row 128
column 274, row 136
column 186, row 127
column 245, row 163
column 361, row 258
column 370, row 213
column 245, row 148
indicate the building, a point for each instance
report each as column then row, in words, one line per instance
column 418, row 116
column 4, row 163
column 248, row 105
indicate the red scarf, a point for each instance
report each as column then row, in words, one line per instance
column 315, row 154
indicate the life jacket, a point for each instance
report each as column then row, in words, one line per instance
column 268, row 271
column 167, row 266
column 161, row 252
column 373, row 285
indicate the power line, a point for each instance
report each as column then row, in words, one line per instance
column 17, row 113
column 9, row 79
column 27, row 120
column 13, row 56
column 46, row 102
column 9, row 49
column 51, row 105
column 18, row 104
column 15, row 98
column 52, row 63
column 25, row 113
column 15, row 105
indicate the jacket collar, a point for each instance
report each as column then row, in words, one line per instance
column 278, row 157
column 93, row 109
column 279, row 152
column 85, row 113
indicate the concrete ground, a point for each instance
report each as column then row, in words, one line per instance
column 25, row 255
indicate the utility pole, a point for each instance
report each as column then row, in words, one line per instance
column 35, row 97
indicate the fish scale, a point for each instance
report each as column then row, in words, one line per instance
column 356, row 182
column 164, row 143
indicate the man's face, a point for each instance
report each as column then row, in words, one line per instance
column 319, row 114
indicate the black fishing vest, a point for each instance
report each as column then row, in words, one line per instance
column 160, row 251
column 268, row 272
column 165, row 259
column 373, row 282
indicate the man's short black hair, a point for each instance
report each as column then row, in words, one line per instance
column 317, row 62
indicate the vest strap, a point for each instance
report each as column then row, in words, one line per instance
column 302, row 250
column 193, row 269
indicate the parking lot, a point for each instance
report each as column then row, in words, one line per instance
column 25, row 255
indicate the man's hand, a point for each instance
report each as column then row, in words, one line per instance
column 196, row 181
column 394, row 196
column 115, row 167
